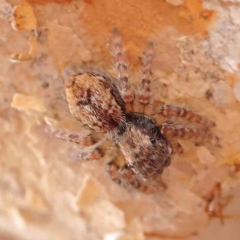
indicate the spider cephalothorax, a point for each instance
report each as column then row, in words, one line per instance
column 106, row 104
column 145, row 149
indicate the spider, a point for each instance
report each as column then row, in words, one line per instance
column 108, row 105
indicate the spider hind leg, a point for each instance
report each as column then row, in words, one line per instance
column 90, row 150
column 144, row 92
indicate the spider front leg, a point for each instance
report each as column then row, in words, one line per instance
column 125, row 176
column 198, row 136
column 121, row 67
column 90, row 148
column 173, row 132
column 176, row 147
column 201, row 135
column 171, row 111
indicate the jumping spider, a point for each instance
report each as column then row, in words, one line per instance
column 108, row 105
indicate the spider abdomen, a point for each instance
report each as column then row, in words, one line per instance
column 94, row 100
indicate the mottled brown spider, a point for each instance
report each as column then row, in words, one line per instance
column 111, row 106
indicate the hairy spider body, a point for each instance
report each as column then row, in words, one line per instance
column 102, row 102
column 94, row 100
column 145, row 149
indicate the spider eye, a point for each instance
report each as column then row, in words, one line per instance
column 153, row 140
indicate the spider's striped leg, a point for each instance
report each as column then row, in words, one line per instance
column 171, row 132
column 89, row 148
column 200, row 135
column 125, row 176
column 171, row 111
column 121, row 67
column 176, row 147
column 144, row 91
column 216, row 203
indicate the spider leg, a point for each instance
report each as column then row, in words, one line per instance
column 121, row 67
column 114, row 170
column 176, row 147
column 171, row 131
column 171, row 111
column 90, row 148
column 125, row 176
column 216, row 203
column 144, row 91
